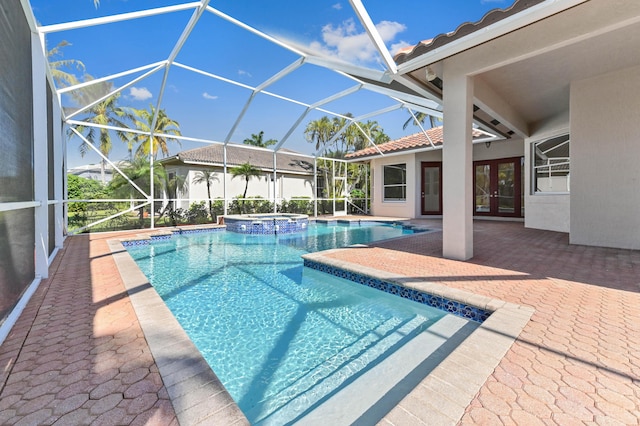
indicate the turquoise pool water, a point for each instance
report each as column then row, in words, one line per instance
column 282, row 338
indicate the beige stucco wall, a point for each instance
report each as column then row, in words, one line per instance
column 379, row 207
column 411, row 207
column 605, row 148
column 498, row 149
column 295, row 186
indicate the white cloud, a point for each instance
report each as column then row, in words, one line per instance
column 140, row 93
column 243, row 72
column 337, row 6
column 345, row 42
column 208, row 96
column 395, row 47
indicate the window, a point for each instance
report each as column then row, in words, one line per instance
column 551, row 165
column 395, row 182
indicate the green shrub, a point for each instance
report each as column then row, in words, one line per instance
column 300, row 205
column 198, row 213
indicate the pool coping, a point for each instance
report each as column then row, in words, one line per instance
column 442, row 397
column 195, row 391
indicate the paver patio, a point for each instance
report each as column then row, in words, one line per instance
column 578, row 360
column 78, row 355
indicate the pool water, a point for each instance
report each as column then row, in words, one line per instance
column 282, row 338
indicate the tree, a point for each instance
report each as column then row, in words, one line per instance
column 139, row 171
column 373, row 131
column 351, row 139
column 79, row 188
column 207, row 177
column 63, row 78
column 164, row 126
column 106, row 113
column 320, row 131
column 245, row 171
column 172, row 185
column 258, row 140
column 421, row 117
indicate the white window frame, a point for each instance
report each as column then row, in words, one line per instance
column 394, row 185
column 539, row 170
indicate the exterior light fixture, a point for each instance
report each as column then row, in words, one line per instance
column 430, row 74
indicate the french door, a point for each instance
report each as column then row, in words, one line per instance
column 431, row 188
column 498, row 187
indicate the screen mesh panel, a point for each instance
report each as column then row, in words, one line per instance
column 17, row 267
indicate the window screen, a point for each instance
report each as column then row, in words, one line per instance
column 395, row 182
column 551, row 165
column 17, row 268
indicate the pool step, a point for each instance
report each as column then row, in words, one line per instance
column 344, row 367
column 368, row 398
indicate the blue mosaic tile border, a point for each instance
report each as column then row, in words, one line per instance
column 133, row 243
column 266, row 227
column 198, row 230
column 332, row 222
column 450, row 306
column 163, row 237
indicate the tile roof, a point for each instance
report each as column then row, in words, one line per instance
column 407, row 143
column 286, row 160
column 463, row 30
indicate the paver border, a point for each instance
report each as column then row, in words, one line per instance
column 442, row 397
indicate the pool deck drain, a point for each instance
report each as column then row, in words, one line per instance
column 198, row 395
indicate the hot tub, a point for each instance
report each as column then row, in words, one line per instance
column 267, row 223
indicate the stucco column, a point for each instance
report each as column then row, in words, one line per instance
column 40, row 158
column 58, row 177
column 457, row 165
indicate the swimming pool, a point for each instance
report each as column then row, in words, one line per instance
column 282, row 338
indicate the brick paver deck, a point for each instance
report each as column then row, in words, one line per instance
column 578, row 360
column 77, row 354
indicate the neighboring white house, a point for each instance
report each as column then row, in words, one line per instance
column 560, row 81
column 93, row 172
column 294, row 173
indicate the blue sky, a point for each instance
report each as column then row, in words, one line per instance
column 207, row 108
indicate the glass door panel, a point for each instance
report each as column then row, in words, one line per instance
column 506, row 188
column 431, row 188
column 483, row 188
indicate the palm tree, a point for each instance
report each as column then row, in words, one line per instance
column 106, row 113
column 172, row 185
column 139, row 172
column 320, row 131
column 257, row 140
column 207, row 177
column 374, row 131
column 164, row 126
column 421, row 117
column 245, row 171
column 60, row 77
